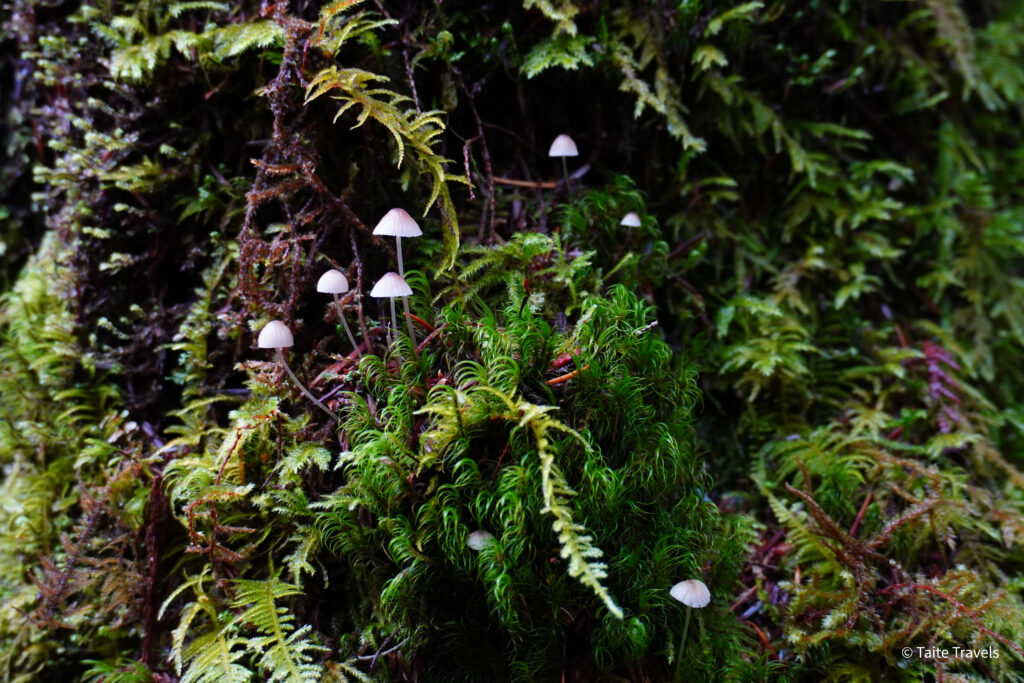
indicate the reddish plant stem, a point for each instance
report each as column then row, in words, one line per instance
column 860, row 513
column 430, row 337
column 566, row 377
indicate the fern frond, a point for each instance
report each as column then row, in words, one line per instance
column 576, row 545
column 562, row 51
column 660, row 99
column 562, row 15
column 234, row 39
column 179, row 8
column 285, row 652
column 407, row 127
column 212, row 655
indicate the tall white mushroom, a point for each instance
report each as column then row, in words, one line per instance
column 564, row 146
column 276, row 335
column 334, row 282
column 631, row 220
column 694, row 594
column 388, row 287
column 398, row 223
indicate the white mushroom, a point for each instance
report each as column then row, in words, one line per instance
column 398, row 223
column 276, row 335
column 692, row 593
column 564, row 146
column 388, row 287
column 334, row 282
column 631, row 220
column 479, row 538
column 695, row 594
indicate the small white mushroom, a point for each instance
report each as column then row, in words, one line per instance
column 276, row 335
column 479, row 538
column 334, row 282
column 398, row 223
column 564, row 146
column 695, row 594
column 390, row 286
column 692, row 593
column 631, row 220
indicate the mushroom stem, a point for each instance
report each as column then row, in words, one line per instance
column 394, row 319
column 348, row 330
column 565, row 173
column 408, row 321
column 682, row 642
column 303, row 389
column 405, row 301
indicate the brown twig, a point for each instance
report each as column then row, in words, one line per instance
column 743, row 598
column 687, row 246
column 542, row 184
column 497, row 465
column 565, row 378
column 430, row 337
column 762, row 636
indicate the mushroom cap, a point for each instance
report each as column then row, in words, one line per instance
column 398, row 223
column 479, row 538
column 692, row 593
column 332, row 282
column 631, row 220
column 275, row 335
column 563, row 146
column 390, row 286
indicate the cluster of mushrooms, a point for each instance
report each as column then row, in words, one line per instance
column 397, row 223
column 275, row 335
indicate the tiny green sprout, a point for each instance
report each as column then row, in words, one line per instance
column 334, row 282
column 390, row 286
column 694, row 594
column 564, row 146
column 276, row 335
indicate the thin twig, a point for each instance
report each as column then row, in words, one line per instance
column 544, row 185
column 430, row 337
column 565, row 378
